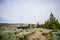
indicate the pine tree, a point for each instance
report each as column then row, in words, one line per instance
column 47, row 24
column 38, row 26
column 52, row 22
column 52, row 18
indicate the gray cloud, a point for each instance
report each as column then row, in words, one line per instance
column 29, row 11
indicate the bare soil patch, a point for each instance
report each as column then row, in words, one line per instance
column 37, row 34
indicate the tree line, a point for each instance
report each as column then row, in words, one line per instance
column 51, row 23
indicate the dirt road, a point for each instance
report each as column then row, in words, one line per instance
column 37, row 34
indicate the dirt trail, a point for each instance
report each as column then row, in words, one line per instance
column 37, row 34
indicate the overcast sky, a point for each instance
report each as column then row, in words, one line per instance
column 28, row 11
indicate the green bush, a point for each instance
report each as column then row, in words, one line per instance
column 36, row 39
column 8, row 35
column 49, row 36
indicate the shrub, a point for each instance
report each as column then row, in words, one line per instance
column 8, row 35
column 36, row 39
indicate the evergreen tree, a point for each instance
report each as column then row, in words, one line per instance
column 52, row 22
column 54, row 28
column 52, row 19
column 57, row 24
column 32, row 26
column 38, row 26
column 47, row 24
